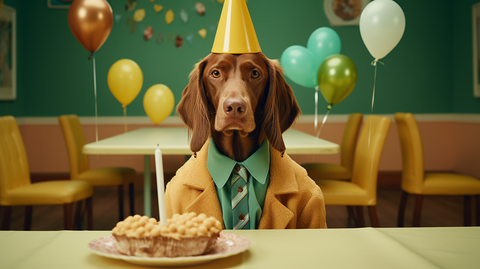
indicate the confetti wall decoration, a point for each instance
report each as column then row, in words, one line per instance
column 157, row 8
column 157, row 18
column 169, row 16
column 202, row 32
column 139, row 15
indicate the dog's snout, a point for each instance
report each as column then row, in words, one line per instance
column 234, row 107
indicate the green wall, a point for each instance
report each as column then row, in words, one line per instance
column 428, row 72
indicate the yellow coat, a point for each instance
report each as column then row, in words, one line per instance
column 293, row 200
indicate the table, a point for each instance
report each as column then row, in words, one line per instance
column 175, row 141
column 449, row 247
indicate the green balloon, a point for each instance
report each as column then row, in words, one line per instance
column 337, row 77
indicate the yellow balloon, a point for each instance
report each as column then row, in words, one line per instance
column 125, row 80
column 158, row 102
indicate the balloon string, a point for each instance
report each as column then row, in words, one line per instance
column 374, row 63
column 6, row 88
column 95, row 92
column 91, row 55
column 315, row 121
column 329, row 107
column 371, row 151
column 125, row 117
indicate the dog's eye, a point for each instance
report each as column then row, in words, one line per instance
column 216, row 74
column 255, row 74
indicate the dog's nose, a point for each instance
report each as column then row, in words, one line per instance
column 234, row 107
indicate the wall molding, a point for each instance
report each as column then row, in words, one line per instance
column 474, row 118
column 419, row 117
column 100, row 120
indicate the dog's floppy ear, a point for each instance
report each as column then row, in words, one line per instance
column 281, row 107
column 193, row 107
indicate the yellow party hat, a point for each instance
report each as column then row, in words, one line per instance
column 235, row 32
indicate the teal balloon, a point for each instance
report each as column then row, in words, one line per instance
column 323, row 42
column 299, row 65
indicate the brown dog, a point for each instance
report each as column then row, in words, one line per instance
column 238, row 100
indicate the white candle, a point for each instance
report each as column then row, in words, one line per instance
column 160, row 186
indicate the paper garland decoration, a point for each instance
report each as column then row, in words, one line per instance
column 117, row 17
column 202, row 32
column 169, row 16
column 184, row 15
column 160, row 38
column 189, row 39
column 178, row 41
column 139, row 15
column 132, row 29
column 157, row 8
column 148, row 32
column 200, row 7
column 130, row 5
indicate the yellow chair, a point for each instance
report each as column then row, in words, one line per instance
column 16, row 188
column 416, row 181
column 362, row 189
column 347, row 152
column 80, row 167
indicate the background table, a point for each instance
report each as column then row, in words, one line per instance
column 175, row 141
column 316, row 248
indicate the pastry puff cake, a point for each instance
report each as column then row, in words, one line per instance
column 188, row 234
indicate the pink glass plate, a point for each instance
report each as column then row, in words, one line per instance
column 227, row 245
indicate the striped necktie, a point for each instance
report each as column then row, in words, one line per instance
column 239, row 196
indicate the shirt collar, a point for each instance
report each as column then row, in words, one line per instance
column 221, row 166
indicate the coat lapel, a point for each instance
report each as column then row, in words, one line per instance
column 200, row 179
column 275, row 214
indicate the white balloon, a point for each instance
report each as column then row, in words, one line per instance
column 382, row 24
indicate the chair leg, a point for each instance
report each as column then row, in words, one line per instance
column 477, row 209
column 120, row 202
column 351, row 219
column 89, row 205
column 351, row 212
column 27, row 226
column 467, row 210
column 401, row 209
column 373, row 216
column 67, row 216
column 78, row 215
column 418, row 210
column 7, row 214
column 360, row 219
column 131, row 193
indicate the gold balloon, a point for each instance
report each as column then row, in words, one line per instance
column 337, row 77
column 90, row 22
column 125, row 80
column 158, row 102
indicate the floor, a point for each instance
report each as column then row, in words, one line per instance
column 437, row 211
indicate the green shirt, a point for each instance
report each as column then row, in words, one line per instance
column 258, row 167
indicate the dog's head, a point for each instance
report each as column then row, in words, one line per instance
column 238, row 92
